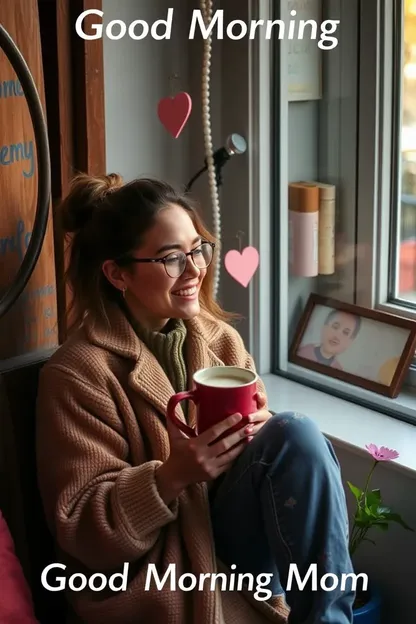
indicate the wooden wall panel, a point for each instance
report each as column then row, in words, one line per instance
column 31, row 324
column 89, row 102
column 74, row 84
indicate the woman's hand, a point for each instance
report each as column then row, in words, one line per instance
column 259, row 418
column 194, row 460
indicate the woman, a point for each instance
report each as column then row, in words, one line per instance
column 121, row 485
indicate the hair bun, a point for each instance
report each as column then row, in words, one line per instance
column 84, row 198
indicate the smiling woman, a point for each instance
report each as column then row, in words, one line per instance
column 163, row 287
column 112, row 261
column 120, row 482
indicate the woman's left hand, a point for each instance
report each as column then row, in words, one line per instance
column 259, row 418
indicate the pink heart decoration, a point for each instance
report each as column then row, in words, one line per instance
column 174, row 112
column 242, row 266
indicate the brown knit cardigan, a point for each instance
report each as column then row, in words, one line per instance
column 100, row 437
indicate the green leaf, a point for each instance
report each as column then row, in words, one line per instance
column 383, row 526
column 373, row 498
column 373, row 510
column 372, row 502
column 384, row 510
column 363, row 524
column 355, row 490
column 362, row 516
column 394, row 517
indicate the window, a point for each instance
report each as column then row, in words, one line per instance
column 359, row 136
column 403, row 241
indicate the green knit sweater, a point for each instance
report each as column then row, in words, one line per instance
column 168, row 348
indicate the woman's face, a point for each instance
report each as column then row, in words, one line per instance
column 152, row 295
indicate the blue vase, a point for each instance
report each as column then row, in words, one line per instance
column 370, row 613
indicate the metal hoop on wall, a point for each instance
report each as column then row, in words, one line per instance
column 44, row 171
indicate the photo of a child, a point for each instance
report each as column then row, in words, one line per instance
column 338, row 332
column 349, row 343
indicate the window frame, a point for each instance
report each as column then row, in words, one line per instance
column 377, row 48
column 389, row 157
column 397, row 193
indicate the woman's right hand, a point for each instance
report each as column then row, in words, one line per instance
column 194, row 460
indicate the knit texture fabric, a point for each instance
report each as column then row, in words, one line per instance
column 101, row 437
column 167, row 346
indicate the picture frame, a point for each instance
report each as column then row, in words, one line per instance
column 364, row 347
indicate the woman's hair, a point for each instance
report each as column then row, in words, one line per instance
column 107, row 220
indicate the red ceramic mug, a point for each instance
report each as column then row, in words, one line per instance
column 220, row 391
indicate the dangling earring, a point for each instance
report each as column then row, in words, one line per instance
column 123, row 291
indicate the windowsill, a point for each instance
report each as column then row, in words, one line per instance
column 347, row 425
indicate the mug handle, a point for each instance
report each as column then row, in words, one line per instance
column 173, row 402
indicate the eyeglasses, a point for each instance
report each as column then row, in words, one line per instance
column 175, row 262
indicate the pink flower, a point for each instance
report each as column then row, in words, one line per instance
column 381, row 453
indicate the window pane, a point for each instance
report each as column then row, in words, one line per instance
column 406, row 252
column 322, row 150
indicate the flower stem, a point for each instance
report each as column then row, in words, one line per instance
column 357, row 539
column 359, row 533
column 368, row 478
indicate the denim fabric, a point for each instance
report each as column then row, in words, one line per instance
column 283, row 503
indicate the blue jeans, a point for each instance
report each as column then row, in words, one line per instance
column 283, row 503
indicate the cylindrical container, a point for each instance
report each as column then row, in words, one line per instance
column 326, row 235
column 303, row 229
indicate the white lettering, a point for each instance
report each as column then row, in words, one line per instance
column 206, row 30
column 236, row 29
column 78, row 581
column 328, row 28
column 331, row 577
column 183, row 578
column 145, row 30
column 253, row 27
column 117, row 29
column 261, row 592
column 167, row 23
column 270, row 26
column 151, row 570
column 291, row 33
column 242, row 26
column 328, row 582
column 74, row 586
column 354, row 578
column 109, row 29
column 124, row 578
column 44, row 579
column 98, row 27
column 100, row 577
column 202, row 579
column 293, row 569
column 214, row 579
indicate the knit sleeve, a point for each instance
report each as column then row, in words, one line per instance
column 249, row 363
column 101, row 510
column 237, row 354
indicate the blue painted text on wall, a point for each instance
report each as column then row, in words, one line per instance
column 10, row 88
column 18, row 152
column 35, row 294
column 17, row 242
